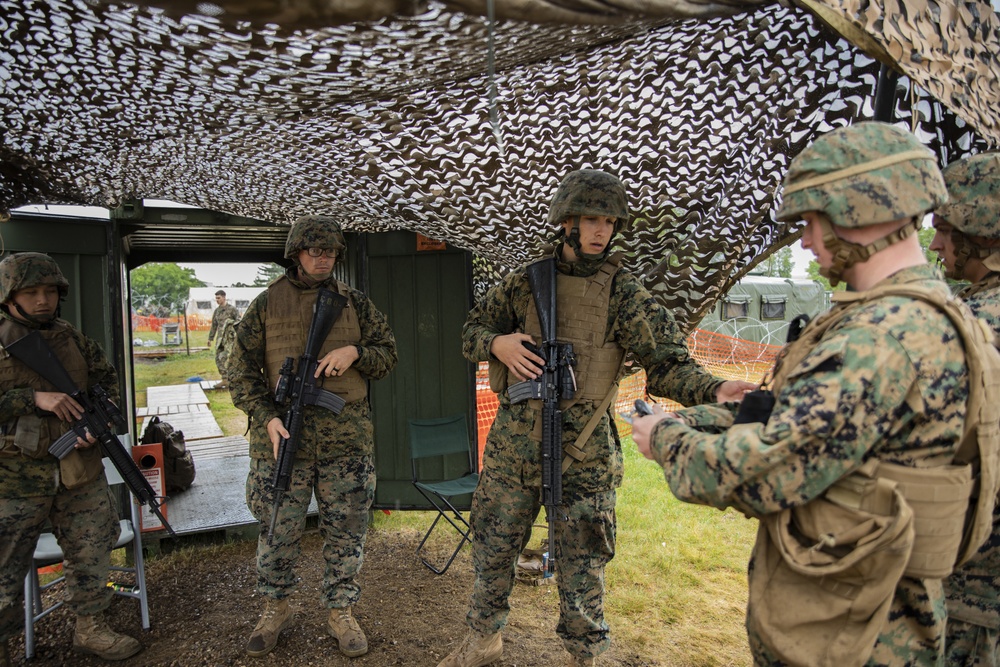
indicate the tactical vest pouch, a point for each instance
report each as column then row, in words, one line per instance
column 498, row 376
column 80, row 467
column 937, row 496
column 824, row 575
column 27, row 436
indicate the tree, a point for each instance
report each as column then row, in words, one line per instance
column 779, row 264
column 161, row 289
column 267, row 272
column 813, row 272
column 926, row 235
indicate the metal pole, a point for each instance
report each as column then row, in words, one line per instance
column 885, row 94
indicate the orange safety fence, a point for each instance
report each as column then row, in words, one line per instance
column 147, row 323
column 724, row 356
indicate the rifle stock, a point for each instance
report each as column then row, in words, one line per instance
column 301, row 389
column 98, row 412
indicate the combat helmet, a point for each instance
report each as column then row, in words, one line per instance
column 314, row 231
column 973, row 208
column 28, row 269
column 588, row 192
column 862, row 175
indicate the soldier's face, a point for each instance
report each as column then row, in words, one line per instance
column 221, row 300
column 595, row 232
column 39, row 301
column 316, row 267
column 812, row 239
column 942, row 243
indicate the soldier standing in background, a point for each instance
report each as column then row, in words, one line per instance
column 224, row 318
column 605, row 312
column 873, row 392
column 72, row 494
column 336, row 451
column 967, row 241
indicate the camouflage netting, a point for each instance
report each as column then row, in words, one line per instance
column 397, row 123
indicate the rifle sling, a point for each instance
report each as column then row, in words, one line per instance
column 574, row 452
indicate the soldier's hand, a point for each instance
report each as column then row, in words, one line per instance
column 60, row 404
column 643, row 427
column 521, row 361
column 337, row 361
column 733, row 390
column 276, row 431
column 83, row 443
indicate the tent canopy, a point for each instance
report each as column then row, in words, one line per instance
column 438, row 119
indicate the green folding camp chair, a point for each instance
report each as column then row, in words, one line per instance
column 442, row 438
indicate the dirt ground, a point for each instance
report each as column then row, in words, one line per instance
column 202, row 610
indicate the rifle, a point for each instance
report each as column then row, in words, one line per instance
column 557, row 382
column 98, row 412
column 300, row 389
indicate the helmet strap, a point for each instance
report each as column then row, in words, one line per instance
column 847, row 253
column 36, row 320
column 310, row 278
column 964, row 248
column 573, row 238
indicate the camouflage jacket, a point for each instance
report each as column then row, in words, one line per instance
column 220, row 315
column 974, row 589
column 889, row 381
column 21, row 477
column 636, row 322
column 324, row 434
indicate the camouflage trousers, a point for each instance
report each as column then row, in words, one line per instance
column 345, row 489
column 503, row 512
column 222, row 359
column 85, row 525
column 971, row 645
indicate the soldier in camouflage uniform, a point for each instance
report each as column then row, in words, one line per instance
column 967, row 241
column 876, row 387
column 589, row 207
column 35, row 486
column 335, row 454
column 224, row 317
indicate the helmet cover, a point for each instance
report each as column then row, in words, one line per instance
column 973, row 206
column 861, row 175
column 28, row 269
column 589, row 192
column 314, row 231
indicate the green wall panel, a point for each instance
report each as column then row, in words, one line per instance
column 426, row 295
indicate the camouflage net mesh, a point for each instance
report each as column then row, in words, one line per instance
column 397, row 124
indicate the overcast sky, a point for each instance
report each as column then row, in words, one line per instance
column 224, row 275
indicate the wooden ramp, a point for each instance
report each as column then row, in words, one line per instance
column 217, row 499
column 184, row 406
column 216, row 502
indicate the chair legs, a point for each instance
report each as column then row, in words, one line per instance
column 458, row 523
column 33, row 611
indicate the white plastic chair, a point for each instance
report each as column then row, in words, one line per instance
column 48, row 552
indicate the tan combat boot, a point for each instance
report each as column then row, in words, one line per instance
column 277, row 616
column 93, row 635
column 475, row 650
column 350, row 638
column 574, row 661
